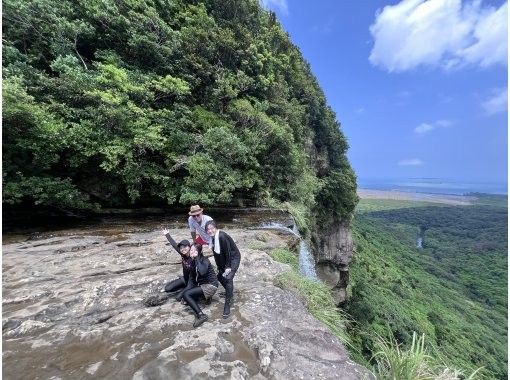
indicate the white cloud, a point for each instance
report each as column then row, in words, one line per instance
column 444, row 123
column 278, row 4
column 491, row 34
column 424, row 127
column 360, row 110
column 410, row 162
column 442, row 33
column 427, row 127
column 497, row 103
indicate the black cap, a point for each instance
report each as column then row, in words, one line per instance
column 184, row 242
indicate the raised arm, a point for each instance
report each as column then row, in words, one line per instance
column 166, row 232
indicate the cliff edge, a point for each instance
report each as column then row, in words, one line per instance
column 72, row 308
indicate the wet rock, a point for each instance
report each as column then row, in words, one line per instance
column 87, row 319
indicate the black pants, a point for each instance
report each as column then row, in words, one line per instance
column 227, row 282
column 174, row 285
column 191, row 296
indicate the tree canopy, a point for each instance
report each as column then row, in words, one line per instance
column 112, row 103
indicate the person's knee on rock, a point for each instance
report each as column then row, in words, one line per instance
column 175, row 285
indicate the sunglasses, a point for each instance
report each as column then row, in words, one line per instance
column 196, row 216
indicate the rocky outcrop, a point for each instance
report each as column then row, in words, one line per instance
column 334, row 250
column 72, row 308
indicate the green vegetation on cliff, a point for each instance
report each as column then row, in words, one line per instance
column 119, row 103
column 454, row 290
column 315, row 294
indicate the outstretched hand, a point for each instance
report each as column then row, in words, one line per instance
column 166, row 231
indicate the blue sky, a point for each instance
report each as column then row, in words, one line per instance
column 419, row 87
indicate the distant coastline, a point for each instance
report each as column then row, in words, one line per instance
column 451, row 199
column 437, row 186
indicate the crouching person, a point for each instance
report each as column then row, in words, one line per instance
column 227, row 258
column 183, row 249
column 202, row 282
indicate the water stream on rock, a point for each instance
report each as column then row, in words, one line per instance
column 306, row 260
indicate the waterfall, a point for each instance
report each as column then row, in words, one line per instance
column 306, row 260
column 419, row 239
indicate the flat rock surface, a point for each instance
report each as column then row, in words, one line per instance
column 72, row 309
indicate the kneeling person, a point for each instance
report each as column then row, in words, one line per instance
column 202, row 282
column 183, row 249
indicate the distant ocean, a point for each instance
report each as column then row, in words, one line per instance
column 433, row 185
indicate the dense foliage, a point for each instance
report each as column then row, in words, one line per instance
column 454, row 290
column 121, row 102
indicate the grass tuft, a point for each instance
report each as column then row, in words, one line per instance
column 285, row 256
column 315, row 294
column 393, row 361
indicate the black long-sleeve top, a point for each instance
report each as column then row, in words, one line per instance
column 203, row 272
column 186, row 261
column 229, row 256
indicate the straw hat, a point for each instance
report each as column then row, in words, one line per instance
column 195, row 210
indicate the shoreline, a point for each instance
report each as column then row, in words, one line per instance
column 458, row 200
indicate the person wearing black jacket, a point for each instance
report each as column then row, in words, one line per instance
column 227, row 258
column 202, row 282
column 183, row 249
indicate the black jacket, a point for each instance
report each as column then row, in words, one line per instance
column 229, row 256
column 187, row 262
column 203, row 272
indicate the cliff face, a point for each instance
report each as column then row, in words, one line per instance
column 78, row 313
column 334, row 250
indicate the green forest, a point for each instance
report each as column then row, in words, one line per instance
column 137, row 103
column 121, row 103
column 454, row 290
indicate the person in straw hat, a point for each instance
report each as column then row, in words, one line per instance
column 196, row 221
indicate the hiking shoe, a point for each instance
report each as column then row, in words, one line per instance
column 226, row 308
column 199, row 319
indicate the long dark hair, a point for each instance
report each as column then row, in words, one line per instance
column 198, row 247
